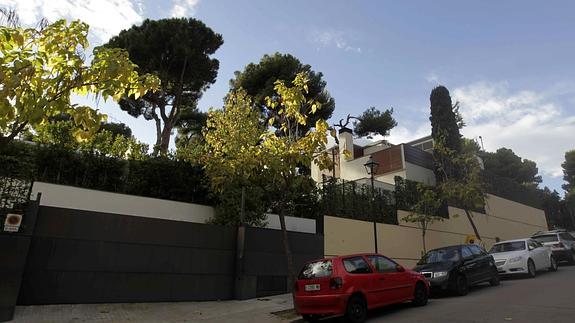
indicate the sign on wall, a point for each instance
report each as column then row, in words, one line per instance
column 12, row 222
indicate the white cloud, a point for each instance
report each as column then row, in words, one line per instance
column 333, row 38
column 432, row 78
column 533, row 124
column 183, row 8
column 105, row 17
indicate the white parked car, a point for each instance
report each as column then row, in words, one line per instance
column 522, row 256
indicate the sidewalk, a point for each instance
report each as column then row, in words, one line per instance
column 253, row 310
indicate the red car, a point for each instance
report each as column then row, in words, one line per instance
column 350, row 285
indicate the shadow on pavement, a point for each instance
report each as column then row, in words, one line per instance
column 375, row 314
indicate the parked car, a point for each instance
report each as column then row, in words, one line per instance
column 561, row 242
column 351, row 285
column 522, row 256
column 455, row 268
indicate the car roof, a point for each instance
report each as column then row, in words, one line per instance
column 547, row 233
column 449, row 247
column 346, row 256
column 514, row 240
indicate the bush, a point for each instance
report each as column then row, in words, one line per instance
column 151, row 177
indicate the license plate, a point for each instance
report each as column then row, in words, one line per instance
column 312, row 288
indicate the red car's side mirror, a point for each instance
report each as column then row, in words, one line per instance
column 399, row 268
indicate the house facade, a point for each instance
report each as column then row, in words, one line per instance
column 412, row 161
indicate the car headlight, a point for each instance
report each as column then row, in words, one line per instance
column 516, row 259
column 439, row 274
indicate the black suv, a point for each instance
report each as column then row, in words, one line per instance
column 456, row 268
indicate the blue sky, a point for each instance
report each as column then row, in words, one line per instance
column 509, row 63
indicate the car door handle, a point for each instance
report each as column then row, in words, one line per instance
column 382, row 279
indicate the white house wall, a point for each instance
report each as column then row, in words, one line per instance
column 106, row 202
column 418, row 173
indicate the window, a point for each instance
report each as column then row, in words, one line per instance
column 508, row 246
column 382, row 264
column 440, row 255
column 532, row 244
column 356, row 265
column 546, row 238
column 466, row 253
column 427, row 145
column 476, row 250
column 316, row 269
column 566, row 236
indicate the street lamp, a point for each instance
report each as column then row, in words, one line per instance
column 371, row 168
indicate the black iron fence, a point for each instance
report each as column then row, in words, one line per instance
column 350, row 199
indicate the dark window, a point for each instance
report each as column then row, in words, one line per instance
column 466, row 253
column 356, row 265
column 440, row 255
column 427, row 145
column 382, row 264
column 508, row 246
column 316, row 269
column 566, row 236
column 546, row 238
column 476, row 250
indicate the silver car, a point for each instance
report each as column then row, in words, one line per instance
column 562, row 244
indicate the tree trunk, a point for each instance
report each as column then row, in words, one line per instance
column 423, row 232
column 287, row 250
column 165, row 139
column 469, row 217
column 158, row 135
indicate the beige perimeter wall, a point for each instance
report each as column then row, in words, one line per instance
column 504, row 219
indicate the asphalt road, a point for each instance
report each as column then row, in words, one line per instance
column 549, row 297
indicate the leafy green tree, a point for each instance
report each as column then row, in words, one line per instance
column 457, row 168
column 41, row 67
column 190, row 129
column 238, row 146
column 569, row 172
column 259, row 80
column 425, row 211
column 60, row 133
column 117, row 129
column 178, row 51
column 373, row 121
column 467, row 189
column 505, row 163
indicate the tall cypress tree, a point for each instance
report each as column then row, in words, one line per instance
column 444, row 129
column 444, row 121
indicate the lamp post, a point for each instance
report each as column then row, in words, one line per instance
column 371, row 168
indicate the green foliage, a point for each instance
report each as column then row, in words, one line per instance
column 445, row 119
column 425, row 211
column 569, row 173
column 373, row 121
column 239, row 151
column 103, row 143
column 152, row 177
column 467, row 190
column 41, row 68
column 178, row 51
column 505, row 163
column 259, row 81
